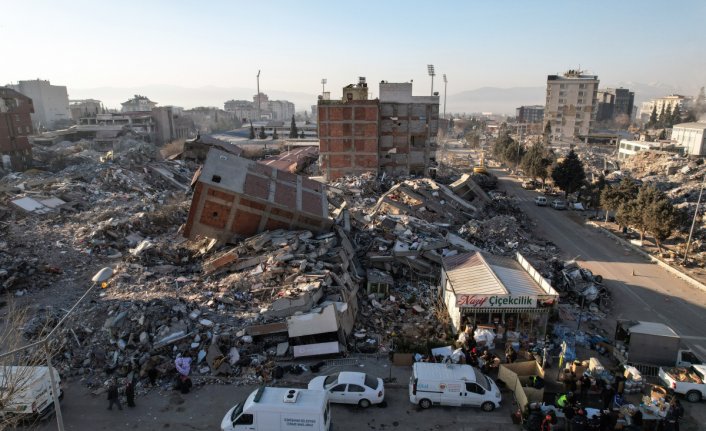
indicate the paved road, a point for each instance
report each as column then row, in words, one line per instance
column 651, row 294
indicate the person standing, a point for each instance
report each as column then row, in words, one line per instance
column 607, row 395
column 130, row 393
column 113, row 396
column 585, row 386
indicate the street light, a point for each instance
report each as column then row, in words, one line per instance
column 430, row 69
column 693, row 222
column 445, row 82
column 101, row 277
column 323, row 86
column 258, row 95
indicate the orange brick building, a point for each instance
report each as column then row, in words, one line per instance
column 395, row 134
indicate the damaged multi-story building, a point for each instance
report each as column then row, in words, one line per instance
column 15, row 127
column 395, row 134
column 236, row 198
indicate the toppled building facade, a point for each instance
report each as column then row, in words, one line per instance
column 236, row 197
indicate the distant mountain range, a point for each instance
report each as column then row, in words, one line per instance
column 485, row 99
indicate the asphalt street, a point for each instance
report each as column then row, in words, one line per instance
column 651, row 294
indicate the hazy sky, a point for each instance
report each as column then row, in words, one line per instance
column 86, row 44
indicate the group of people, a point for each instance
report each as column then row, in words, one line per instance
column 114, row 394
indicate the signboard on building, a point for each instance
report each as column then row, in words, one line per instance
column 496, row 301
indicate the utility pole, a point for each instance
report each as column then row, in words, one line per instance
column 430, row 69
column 323, row 86
column 445, row 82
column 693, row 222
column 258, row 95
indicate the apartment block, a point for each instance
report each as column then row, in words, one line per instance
column 15, row 125
column 408, row 130
column 613, row 103
column 348, row 133
column 671, row 101
column 530, row 114
column 51, row 103
column 236, row 198
column 571, row 105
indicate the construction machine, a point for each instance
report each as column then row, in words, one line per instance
column 480, row 167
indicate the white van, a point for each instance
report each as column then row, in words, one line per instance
column 275, row 409
column 25, row 392
column 452, row 385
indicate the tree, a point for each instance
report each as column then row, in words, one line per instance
column 301, row 134
column 662, row 135
column 535, row 162
column 502, row 142
column 676, row 115
column 547, row 132
column 274, row 134
column 569, row 175
column 595, row 192
column 293, row 132
column 661, row 120
column 613, row 196
column 653, row 117
column 661, row 219
column 252, row 131
column 262, row 134
column 667, row 117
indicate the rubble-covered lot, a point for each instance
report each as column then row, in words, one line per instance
column 227, row 306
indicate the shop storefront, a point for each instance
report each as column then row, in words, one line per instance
column 505, row 294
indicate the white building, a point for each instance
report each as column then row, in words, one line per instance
column 670, row 101
column 138, row 104
column 571, row 105
column 51, row 103
column 630, row 148
column 691, row 136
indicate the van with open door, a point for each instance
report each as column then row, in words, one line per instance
column 449, row 384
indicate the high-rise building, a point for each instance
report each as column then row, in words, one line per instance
column 51, row 103
column 15, row 127
column 614, row 103
column 530, row 114
column 277, row 110
column 571, row 105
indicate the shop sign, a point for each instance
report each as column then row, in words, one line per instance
column 496, row 301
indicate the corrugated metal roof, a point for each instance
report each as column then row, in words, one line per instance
column 485, row 274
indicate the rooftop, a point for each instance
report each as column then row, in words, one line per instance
column 486, row 274
column 696, row 125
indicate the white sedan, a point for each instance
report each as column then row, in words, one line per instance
column 351, row 387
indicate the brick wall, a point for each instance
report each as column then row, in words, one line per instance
column 348, row 137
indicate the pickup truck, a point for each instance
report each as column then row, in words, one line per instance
column 690, row 382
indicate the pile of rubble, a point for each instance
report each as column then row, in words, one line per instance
column 234, row 308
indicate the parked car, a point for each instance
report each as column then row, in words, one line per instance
column 351, row 387
column 540, row 201
column 559, row 204
column 530, row 184
column 686, row 381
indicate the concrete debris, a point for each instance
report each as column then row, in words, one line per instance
column 278, row 266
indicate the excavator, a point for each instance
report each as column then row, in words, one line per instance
column 480, row 167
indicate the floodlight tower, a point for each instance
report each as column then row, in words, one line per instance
column 258, row 95
column 323, row 86
column 445, row 82
column 430, row 69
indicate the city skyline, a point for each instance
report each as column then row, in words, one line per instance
column 224, row 44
